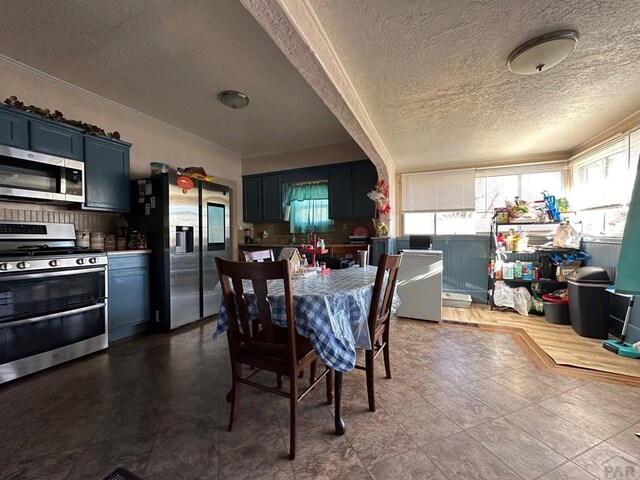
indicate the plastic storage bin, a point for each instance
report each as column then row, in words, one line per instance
column 589, row 302
column 556, row 310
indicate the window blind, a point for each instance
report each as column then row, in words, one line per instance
column 603, row 177
column 451, row 191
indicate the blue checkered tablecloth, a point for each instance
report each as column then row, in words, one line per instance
column 331, row 311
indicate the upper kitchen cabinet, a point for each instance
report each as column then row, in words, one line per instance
column 252, row 199
column 55, row 139
column 348, row 188
column 340, row 194
column 14, row 130
column 262, row 198
column 272, row 198
column 365, row 177
column 107, row 174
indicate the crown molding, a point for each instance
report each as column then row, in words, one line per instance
column 619, row 129
column 489, row 163
column 34, row 72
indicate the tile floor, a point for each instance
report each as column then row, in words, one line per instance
column 463, row 404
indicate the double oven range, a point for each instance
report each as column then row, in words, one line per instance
column 53, row 298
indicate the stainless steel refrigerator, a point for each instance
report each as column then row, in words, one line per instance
column 185, row 229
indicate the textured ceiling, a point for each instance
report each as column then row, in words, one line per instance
column 433, row 77
column 169, row 59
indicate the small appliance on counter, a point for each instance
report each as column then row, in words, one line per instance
column 359, row 235
column 248, row 235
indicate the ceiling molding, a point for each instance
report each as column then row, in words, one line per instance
column 621, row 128
column 34, row 72
column 510, row 161
column 276, row 20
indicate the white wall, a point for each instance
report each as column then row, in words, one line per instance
column 309, row 157
column 151, row 139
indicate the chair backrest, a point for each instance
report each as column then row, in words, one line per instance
column 247, row 309
column 383, row 289
column 257, row 255
column 351, row 250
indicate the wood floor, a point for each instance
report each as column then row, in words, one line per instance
column 559, row 342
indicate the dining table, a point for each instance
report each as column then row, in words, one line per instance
column 331, row 311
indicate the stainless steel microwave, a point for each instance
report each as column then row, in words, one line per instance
column 26, row 175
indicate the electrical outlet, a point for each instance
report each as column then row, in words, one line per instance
column 344, row 226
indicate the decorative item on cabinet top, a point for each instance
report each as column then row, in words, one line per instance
column 58, row 116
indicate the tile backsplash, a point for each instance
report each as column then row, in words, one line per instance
column 278, row 233
column 92, row 221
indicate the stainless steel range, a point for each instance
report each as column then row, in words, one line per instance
column 53, row 298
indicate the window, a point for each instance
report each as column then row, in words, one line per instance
column 496, row 186
column 309, row 207
column 438, row 203
column 603, row 180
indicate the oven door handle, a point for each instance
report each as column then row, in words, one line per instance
column 53, row 315
column 52, row 273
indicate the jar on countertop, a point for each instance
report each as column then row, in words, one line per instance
column 83, row 238
column 110, row 243
column 97, row 241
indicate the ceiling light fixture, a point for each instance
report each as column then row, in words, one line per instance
column 541, row 53
column 233, row 99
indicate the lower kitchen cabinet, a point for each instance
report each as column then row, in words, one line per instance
column 129, row 309
column 380, row 246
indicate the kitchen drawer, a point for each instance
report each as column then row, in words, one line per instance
column 134, row 260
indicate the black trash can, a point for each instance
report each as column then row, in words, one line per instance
column 589, row 302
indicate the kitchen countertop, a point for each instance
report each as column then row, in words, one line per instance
column 297, row 245
column 127, row 252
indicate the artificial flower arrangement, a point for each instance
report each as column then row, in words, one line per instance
column 380, row 195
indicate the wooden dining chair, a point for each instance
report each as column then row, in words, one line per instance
column 257, row 255
column 348, row 250
column 378, row 320
column 275, row 349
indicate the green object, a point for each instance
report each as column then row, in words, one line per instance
column 623, row 349
column 628, row 274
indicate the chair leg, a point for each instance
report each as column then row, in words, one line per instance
column 369, row 362
column 293, row 417
column 235, row 403
column 385, row 353
column 314, row 372
column 330, row 386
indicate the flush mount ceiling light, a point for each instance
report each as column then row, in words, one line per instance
column 233, row 99
column 541, row 53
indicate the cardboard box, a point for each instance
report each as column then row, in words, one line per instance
column 564, row 270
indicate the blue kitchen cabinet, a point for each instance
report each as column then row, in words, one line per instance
column 14, row 130
column 55, row 138
column 129, row 307
column 252, row 199
column 340, row 192
column 348, row 188
column 106, row 174
column 364, row 178
column 380, row 246
column 272, row 198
